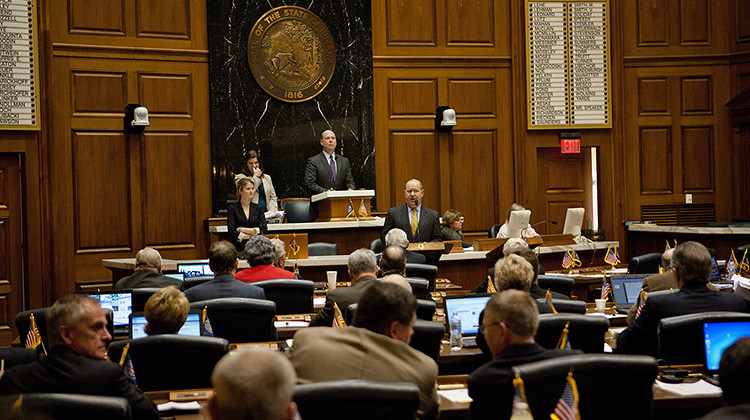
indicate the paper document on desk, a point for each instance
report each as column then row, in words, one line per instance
column 691, row 389
column 460, row 395
column 179, row 406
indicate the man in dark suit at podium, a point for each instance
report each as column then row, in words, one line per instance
column 420, row 223
column 327, row 170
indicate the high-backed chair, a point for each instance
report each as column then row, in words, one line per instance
column 170, row 361
column 559, row 284
column 377, row 246
column 492, row 232
column 680, row 338
column 291, row 296
column 645, row 264
column 317, row 249
column 585, row 333
column 568, row 306
column 420, row 287
column 422, row 271
column 357, row 399
column 240, row 320
column 140, row 297
column 15, row 356
column 195, row 281
column 66, row 406
column 297, row 209
column 427, row 337
column 23, row 321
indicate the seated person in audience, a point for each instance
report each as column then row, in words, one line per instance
column 509, row 326
column 77, row 359
column 515, row 272
column 260, row 254
column 265, row 194
column 734, row 376
column 363, row 272
column 691, row 266
column 376, row 347
column 503, row 231
column 535, row 291
column 512, row 245
column 166, row 311
column 453, row 222
column 393, row 260
column 420, row 223
column 397, row 237
column 253, row 384
column 662, row 281
column 279, row 254
column 245, row 219
column 147, row 273
column 222, row 259
column 398, row 280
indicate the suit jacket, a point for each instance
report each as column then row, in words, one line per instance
column 64, row 371
column 640, row 336
column 329, row 354
column 490, row 386
column 655, row 283
column 319, row 178
column 537, row 292
column 272, row 202
column 428, row 229
column 147, row 279
column 344, row 297
column 732, row 412
column 236, row 218
column 263, row 272
column 224, row 286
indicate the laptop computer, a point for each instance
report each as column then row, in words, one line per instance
column 717, row 336
column 625, row 289
column 178, row 276
column 195, row 270
column 120, row 303
column 468, row 308
column 192, row 325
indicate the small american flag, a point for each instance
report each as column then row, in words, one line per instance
column 567, row 406
column 605, row 288
column 33, row 338
column 362, row 208
column 567, row 261
column 641, row 303
column 338, row 318
column 612, row 258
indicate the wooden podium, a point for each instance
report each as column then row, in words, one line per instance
column 343, row 206
column 431, row 250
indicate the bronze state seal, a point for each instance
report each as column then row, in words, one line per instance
column 291, row 53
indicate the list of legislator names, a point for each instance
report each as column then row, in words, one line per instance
column 568, row 64
column 18, row 109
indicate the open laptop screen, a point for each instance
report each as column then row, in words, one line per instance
column 192, row 325
column 717, row 336
column 626, row 288
column 178, row 276
column 120, row 303
column 468, row 308
column 194, row 270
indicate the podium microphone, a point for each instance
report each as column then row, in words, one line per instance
column 544, row 221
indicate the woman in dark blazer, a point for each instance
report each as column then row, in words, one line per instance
column 245, row 217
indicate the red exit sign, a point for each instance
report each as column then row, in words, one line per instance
column 570, row 145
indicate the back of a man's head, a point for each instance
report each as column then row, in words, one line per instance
column 513, row 272
column 259, row 251
column 398, row 280
column 68, row 310
column 221, row 257
column 279, row 248
column 396, row 237
column 692, row 261
column 734, row 372
column 252, row 384
column 666, row 259
column 383, row 303
column 516, row 309
column 148, row 259
column 393, row 260
column 514, row 244
column 529, row 255
column 362, row 261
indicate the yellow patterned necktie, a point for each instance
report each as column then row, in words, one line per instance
column 414, row 222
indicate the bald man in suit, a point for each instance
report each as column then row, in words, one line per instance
column 420, row 223
column 319, row 172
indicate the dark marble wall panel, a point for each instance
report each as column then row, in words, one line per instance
column 244, row 117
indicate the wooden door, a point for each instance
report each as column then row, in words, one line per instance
column 564, row 181
column 11, row 244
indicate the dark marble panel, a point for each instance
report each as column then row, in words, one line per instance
column 244, row 117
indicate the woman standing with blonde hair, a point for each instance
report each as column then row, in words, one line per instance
column 245, row 219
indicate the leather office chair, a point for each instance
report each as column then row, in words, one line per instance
column 420, row 287
column 492, row 232
column 66, row 406
column 425, row 310
column 559, row 284
column 422, row 271
column 585, row 333
column 297, row 209
column 291, row 296
column 23, row 321
column 195, row 281
column 377, row 246
column 317, row 249
column 170, row 361
column 645, row 264
column 568, row 306
column 240, row 320
column 616, row 386
column 680, row 338
column 427, row 337
column 15, row 356
column 140, row 297
column 357, row 399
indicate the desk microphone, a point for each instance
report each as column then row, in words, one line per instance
column 544, row 221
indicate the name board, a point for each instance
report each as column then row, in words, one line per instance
column 567, row 64
column 18, row 65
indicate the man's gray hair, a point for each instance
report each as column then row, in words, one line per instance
column 396, row 237
column 253, row 384
column 279, row 250
column 362, row 261
column 259, row 251
column 513, row 245
column 666, row 259
column 68, row 311
column 147, row 259
column 692, row 262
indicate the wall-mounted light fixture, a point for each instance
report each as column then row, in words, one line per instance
column 136, row 118
column 445, row 118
